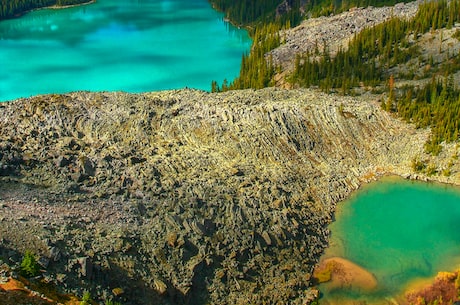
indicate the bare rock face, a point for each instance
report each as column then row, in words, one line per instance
column 187, row 197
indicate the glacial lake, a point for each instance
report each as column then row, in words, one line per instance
column 111, row 45
column 402, row 232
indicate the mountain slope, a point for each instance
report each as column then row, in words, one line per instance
column 194, row 197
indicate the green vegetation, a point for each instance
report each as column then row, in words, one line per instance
column 12, row 8
column 263, row 23
column 327, row 7
column 457, row 34
column 366, row 62
column 436, row 105
column 86, row 299
column 374, row 51
column 256, row 71
column 418, row 165
column 245, row 12
column 112, row 303
column 29, row 266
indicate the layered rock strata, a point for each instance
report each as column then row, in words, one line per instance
column 187, row 197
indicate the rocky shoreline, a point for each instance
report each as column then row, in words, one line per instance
column 191, row 197
column 52, row 7
column 58, row 7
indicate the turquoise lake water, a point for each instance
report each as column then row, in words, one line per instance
column 129, row 45
column 400, row 231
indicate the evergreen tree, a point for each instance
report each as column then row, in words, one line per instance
column 12, row 8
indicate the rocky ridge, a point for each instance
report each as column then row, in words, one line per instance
column 190, row 197
column 334, row 31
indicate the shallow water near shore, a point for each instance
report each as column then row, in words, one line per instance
column 113, row 45
column 400, row 231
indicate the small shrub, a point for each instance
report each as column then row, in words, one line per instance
column 86, row 299
column 341, row 108
column 446, row 172
column 112, row 303
column 431, row 170
column 29, row 265
column 457, row 34
column 418, row 166
column 432, row 147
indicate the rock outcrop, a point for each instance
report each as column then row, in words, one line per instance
column 187, row 197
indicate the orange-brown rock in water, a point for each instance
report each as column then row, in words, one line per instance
column 344, row 273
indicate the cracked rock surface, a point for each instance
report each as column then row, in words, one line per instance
column 188, row 197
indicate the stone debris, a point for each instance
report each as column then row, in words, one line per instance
column 334, row 31
column 181, row 197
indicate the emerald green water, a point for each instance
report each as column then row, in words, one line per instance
column 400, row 231
column 129, row 45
